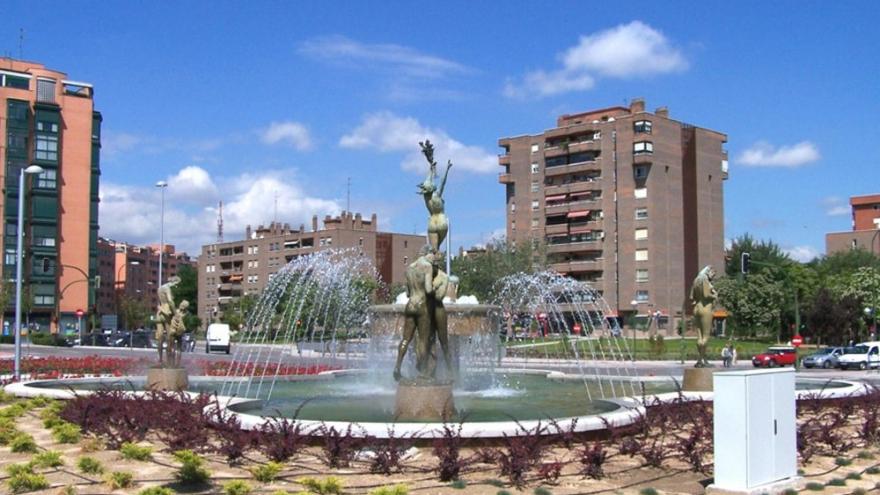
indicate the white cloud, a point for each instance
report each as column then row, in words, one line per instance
column 835, row 207
column 802, row 254
column 628, row 50
column 132, row 214
column 764, row 154
column 289, row 133
column 192, row 184
column 401, row 59
column 625, row 51
column 387, row 132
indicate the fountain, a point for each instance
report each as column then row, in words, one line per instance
column 542, row 350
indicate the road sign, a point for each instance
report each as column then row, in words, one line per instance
column 797, row 340
column 79, row 313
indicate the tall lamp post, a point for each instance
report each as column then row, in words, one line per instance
column 162, row 185
column 33, row 169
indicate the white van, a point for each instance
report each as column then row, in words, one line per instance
column 218, row 338
column 862, row 356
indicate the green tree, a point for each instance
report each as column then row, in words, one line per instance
column 133, row 312
column 824, row 317
column 862, row 285
column 478, row 272
column 754, row 303
column 188, row 289
column 845, row 262
column 765, row 254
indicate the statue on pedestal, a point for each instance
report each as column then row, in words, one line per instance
column 703, row 297
column 169, row 325
column 438, row 224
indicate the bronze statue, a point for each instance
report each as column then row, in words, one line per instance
column 165, row 313
column 419, row 283
column 438, row 315
column 438, row 224
column 703, row 297
column 175, row 334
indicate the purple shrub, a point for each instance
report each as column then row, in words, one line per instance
column 281, row 439
column 592, row 458
column 522, row 453
column 447, row 450
column 388, row 452
column 339, row 446
column 550, row 471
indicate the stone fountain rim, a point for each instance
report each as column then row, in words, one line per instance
column 630, row 409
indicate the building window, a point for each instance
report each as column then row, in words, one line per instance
column 536, row 148
column 16, row 82
column 47, row 179
column 643, row 126
column 641, row 213
column 16, row 142
column 535, row 186
column 405, row 260
column 641, row 255
column 641, row 234
column 643, row 148
column 44, row 300
column 47, row 127
column 46, row 90
column 641, row 192
column 512, row 206
column 534, row 223
column 535, row 168
column 535, row 204
column 9, row 257
column 642, row 296
column 642, row 275
column 46, row 147
column 640, row 172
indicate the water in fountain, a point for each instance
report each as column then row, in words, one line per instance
column 566, row 329
column 309, row 310
column 316, row 311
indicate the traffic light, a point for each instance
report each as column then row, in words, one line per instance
column 745, row 263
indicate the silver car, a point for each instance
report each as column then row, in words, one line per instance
column 823, row 358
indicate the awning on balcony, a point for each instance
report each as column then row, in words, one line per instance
column 236, row 278
column 578, row 214
column 579, row 229
column 555, row 197
column 557, row 234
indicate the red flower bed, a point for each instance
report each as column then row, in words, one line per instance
column 221, row 368
column 54, row 367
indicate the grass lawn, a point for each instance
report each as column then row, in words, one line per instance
column 670, row 350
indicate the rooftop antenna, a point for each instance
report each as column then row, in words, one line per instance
column 21, row 43
column 220, row 223
column 348, row 196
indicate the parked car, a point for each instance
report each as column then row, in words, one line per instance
column 218, row 337
column 862, row 356
column 775, row 356
column 823, row 358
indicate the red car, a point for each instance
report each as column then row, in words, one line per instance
column 775, row 356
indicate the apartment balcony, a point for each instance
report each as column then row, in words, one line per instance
column 505, row 178
column 561, row 228
column 572, row 147
column 574, row 187
column 569, row 247
column 573, row 168
column 643, row 158
column 503, row 159
column 572, row 206
column 577, row 266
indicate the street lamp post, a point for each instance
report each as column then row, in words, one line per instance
column 635, row 305
column 162, row 185
column 33, row 169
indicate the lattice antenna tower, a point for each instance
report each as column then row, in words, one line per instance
column 220, row 223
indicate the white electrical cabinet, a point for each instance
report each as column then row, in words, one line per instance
column 755, row 429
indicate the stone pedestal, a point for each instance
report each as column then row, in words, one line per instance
column 431, row 402
column 697, row 380
column 167, row 379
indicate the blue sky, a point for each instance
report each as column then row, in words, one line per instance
column 248, row 101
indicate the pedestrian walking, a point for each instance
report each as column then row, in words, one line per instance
column 725, row 356
column 733, row 354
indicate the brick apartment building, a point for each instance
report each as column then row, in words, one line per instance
column 865, row 227
column 129, row 271
column 627, row 200
column 231, row 269
column 48, row 120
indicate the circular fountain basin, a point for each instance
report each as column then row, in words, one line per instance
column 523, row 401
